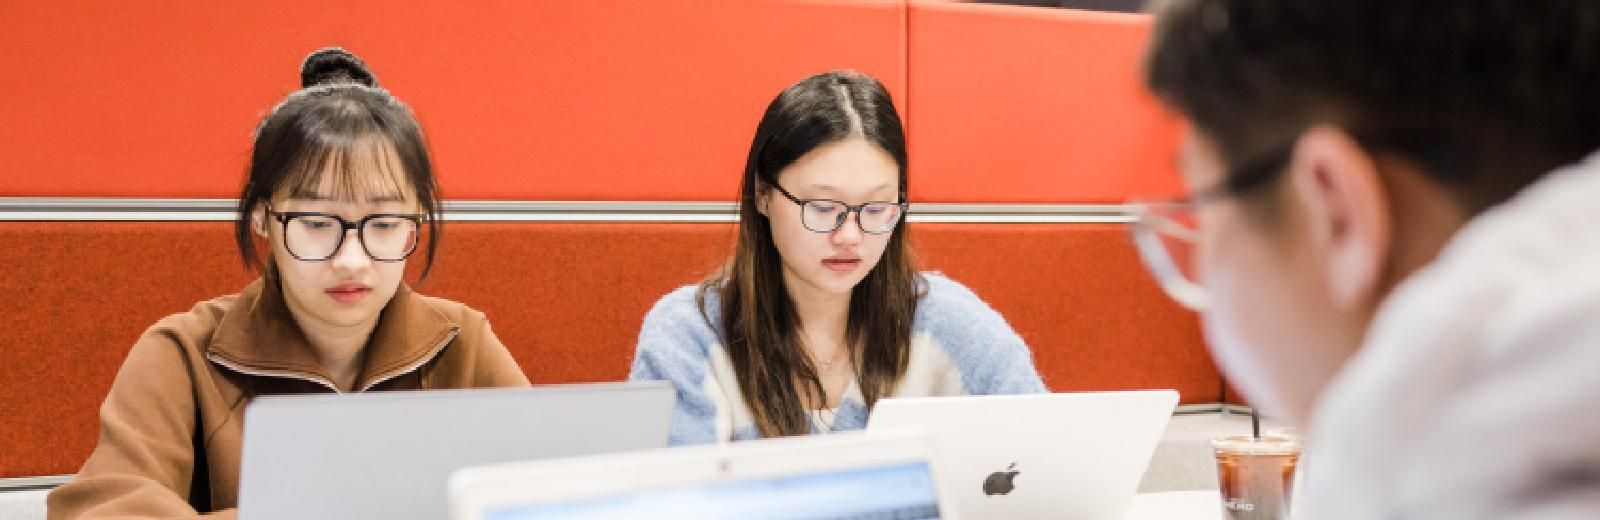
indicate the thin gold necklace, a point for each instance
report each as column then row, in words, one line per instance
column 824, row 366
column 827, row 366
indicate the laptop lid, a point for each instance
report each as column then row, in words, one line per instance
column 388, row 454
column 1070, row 455
column 851, row 475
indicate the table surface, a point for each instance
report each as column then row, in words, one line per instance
column 1176, row 505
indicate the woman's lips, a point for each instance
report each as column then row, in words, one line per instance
column 348, row 292
column 842, row 265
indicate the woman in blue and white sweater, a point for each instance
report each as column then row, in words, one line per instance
column 821, row 311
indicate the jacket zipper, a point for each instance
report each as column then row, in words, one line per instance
column 272, row 373
column 295, row 375
column 415, row 365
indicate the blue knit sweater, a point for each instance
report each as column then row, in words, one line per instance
column 959, row 346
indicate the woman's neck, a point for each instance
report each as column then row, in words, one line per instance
column 341, row 349
column 824, row 323
column 824, row 317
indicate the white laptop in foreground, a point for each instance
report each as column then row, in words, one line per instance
column 388, row 454
column 1063, row 456
column 887, row 475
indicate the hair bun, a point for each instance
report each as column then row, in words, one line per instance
column 334, row 65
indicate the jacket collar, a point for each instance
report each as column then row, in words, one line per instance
column 258, row 336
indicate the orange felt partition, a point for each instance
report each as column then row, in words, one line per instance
column 569, row 100
column 582, row 100
column 566, row 298
column 1080, row 298
column 76, row 297
column 1022, row 104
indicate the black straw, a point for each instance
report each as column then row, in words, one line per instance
column 1255, row 424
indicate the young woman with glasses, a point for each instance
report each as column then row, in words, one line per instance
column 821, row 311
column 341, row 191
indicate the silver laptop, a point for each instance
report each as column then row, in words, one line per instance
column 1071, row 455
column 389, row 454
column 859, row 475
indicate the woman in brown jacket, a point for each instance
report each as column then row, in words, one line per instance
column 341, row 188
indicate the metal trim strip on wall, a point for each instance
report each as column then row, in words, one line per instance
column 32, row 483
column 48, row 209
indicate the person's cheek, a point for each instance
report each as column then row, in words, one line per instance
column 806, row 250
column 876, row 248
column 782, row 242
column 1239, row 323
column 788, row 253
column 1230, row 345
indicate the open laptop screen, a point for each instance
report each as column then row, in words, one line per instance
column 904, row 491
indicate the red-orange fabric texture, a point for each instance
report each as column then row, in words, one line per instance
column 583, row 100
column 1045, row 104
column 521, row 100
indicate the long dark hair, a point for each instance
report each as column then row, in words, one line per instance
column 340, row 122
column 759, row 325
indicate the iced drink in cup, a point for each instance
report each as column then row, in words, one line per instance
column 1256, row 475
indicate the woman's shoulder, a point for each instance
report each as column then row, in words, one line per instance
column 688, row 298
column 194, row 328
column 461, row 314
column 476, row 357
column 943, row 297
column 682, row 319
column 178, row 343
column 686, row 305
column 954, row 315
column 471, row 325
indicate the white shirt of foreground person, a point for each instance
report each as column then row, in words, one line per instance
column 1477, row 392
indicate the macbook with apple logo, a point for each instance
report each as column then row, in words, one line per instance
column 1066, row 455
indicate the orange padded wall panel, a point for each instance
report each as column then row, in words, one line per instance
column 567, row 299
column 1023, row 104
column 76, row 297
column 1080, row 298
column 609, row 100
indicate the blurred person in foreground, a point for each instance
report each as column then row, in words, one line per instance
column 1391, row 235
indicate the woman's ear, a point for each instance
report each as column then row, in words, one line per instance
column 763, row 198
column 258, row 221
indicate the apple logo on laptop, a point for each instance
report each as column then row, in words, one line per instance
column 1000, row 482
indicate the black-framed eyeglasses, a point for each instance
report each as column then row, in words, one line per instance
column 1246, row 177
column 313, row 237
column 1164, row 232
column 826, row 215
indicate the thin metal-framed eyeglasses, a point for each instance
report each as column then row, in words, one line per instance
column 1164, row 232
column 314, row 236
column 826, row 215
